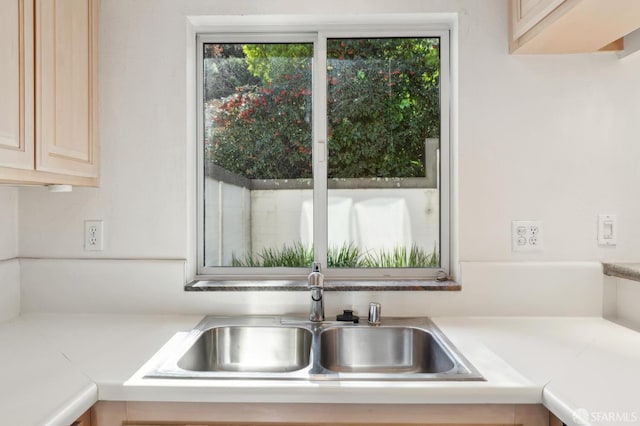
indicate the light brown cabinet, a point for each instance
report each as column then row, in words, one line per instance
column 527, row 13
column 84, row 420
column 571, row 26
column 113, row 413
column 16, row 84
column 554, row 421
column 48, row 91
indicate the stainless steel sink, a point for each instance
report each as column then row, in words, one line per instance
column 240, row 348
column 392, row 350
column 289, row 348
column 249, row 349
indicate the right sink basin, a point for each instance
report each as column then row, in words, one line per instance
column 385, row 350
column 398, row 349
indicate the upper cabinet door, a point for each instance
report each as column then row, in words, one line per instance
column 16, row 84
column 527, row 13
column 66, row 87
column 571, row 26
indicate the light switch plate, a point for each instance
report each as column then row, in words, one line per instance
column 607, row 230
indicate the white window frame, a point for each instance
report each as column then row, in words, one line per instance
column 318, row 35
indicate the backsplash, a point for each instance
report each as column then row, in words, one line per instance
column 144, row 287
column 9, row 265
column 9, row 289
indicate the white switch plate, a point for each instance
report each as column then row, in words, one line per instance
column 607, row 229
column 526, row 235
column 93, row 235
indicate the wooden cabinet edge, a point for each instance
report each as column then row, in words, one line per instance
column 118, row 413
column 15, row 170
column 540, row 10
column 50, row 157
column 614, row 46
column 35, row 177
column 554, row 421
column 518, row 45
column 529, row 42
column 86, row 419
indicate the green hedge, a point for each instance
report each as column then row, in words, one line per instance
column 382, row 103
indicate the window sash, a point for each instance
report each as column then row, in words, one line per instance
column 320, row 160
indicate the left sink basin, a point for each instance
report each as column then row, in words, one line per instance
column 239, row 348
column 249, row 349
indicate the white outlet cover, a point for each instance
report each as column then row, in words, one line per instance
column 93, row 235
column 526, row 236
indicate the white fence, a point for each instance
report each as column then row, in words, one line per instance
column 239, row 220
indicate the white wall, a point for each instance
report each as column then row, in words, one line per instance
column 623, row 296
column 141, row 287
column 552, row 138
column 627, row 298
column 9, row 265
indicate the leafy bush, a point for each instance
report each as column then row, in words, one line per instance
column 292, row 256
column 381, row 110
column 251, row 142
column 382, row 103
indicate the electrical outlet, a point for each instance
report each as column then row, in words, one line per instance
column 526, row 235
column 93, row 235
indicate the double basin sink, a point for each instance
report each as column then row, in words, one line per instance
column 287, row 348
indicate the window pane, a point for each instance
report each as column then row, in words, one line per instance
column 383, row 130
column 257, row 153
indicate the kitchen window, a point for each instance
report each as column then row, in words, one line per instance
column 328, row 147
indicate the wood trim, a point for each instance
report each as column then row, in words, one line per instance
column 614, row 46
column 237, row 414
column 94, row 68
column 531, row 415
column 513, row 40
column 567, row 28
column 535, row 15
column 20, row 176
column 66, row 137
column 554, row 421
column 17, row 150
column 84, row 419
column 127, row 423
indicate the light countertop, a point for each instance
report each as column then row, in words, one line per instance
column 629, row 271
column 54, row 367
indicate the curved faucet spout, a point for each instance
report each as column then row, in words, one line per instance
column 316, row 285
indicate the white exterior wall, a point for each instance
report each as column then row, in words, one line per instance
column 228, row 214
column 276, row 215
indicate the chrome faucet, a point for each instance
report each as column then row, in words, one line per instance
column 316, row 285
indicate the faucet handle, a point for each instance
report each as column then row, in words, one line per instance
column 374, row 313
column 347, row 316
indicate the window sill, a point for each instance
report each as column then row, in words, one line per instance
column 283, row 285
